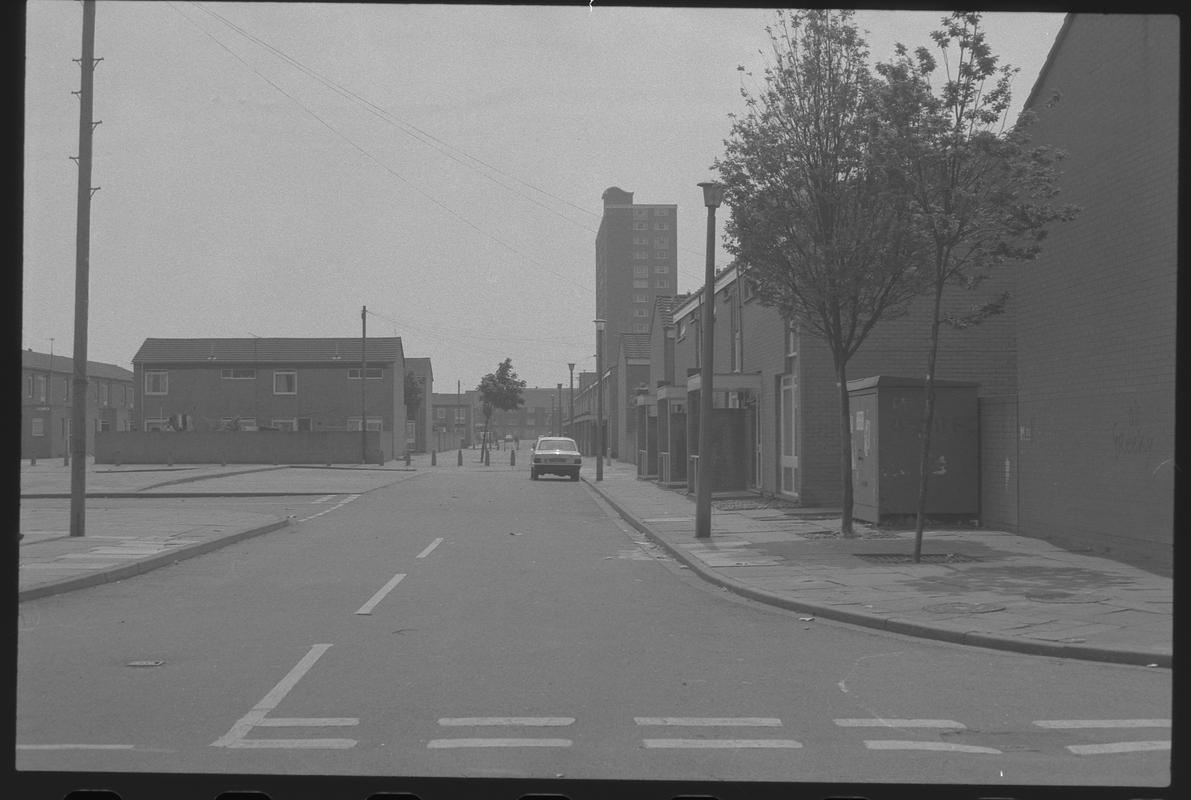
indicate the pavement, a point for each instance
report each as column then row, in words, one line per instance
column 973, row 586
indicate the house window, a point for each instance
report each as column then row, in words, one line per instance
column 285, row 383
column 640, row 298
column 105, row 425
column 641, row 284
column 304, row 423
column 640, row 327
column 641, row 271
column 103, row 394
column 154, row 424
column 372, row 372
column 641, row 240
column 661, row 241
column 661, row 226
column 287, row 424
column 661, row 253
column 791, row 342
column 440, row 413
column 640, row 213
column 29, row 385
column 41, row 388
column 353, row 423
column 661, row 212
column 663, row 283
column 128, row 395
column 157, row 382
column 682, row 329
column 660, row 268
column 640, row 312
column 460, row 415
column 641, row 255
column 237, row 374
column 640, row 226
column 38, row 426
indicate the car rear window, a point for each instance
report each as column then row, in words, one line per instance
column 556, row 444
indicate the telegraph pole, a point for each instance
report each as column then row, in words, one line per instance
column 363, row 384
column 78, row 416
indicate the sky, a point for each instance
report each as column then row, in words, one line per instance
column 269, row 169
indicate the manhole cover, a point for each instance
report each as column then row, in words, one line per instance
column 963, row 608
column 1065, row 597
column 925, row 558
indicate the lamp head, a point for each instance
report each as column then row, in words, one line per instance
column 713, row 194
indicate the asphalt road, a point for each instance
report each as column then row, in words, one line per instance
column 482, row 624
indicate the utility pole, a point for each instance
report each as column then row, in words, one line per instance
column 363, row 385
column 571, row 404
column 559, row 411
column 78, row 433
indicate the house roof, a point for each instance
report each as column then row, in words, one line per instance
column 663, row 309
column 1032, row 98
column 254, row 350
column 420, row 366
column 63, row 364
column 635, row 345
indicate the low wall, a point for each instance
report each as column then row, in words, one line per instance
column 241, row 447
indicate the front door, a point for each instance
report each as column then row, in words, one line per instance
column 788, row 425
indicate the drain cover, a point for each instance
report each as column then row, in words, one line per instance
column 925, row 558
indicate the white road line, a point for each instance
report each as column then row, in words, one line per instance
column 902, row 744
column 899, row 723
column 479, row 721
column 257, row 716
column 430, row 548
column 293, row 722
column 75, row 746
column 340, row 504
column 771, row 722
column 380, row 595
column 721, row 744
column 1102, row 723
column 438, row 744
column 323, row 499
column 1117, row 747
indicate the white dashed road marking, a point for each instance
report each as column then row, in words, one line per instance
column 770, row 722
column 1117, row 747
column 380, row 595
column 340, row 504
column 1102, row 723
column 899, row 723
column 909, row 744
column 484, row 721
column 323, row 499
column 499, row 741
column 75, row 746
column 721, row 744
column 258, row 715
column 430, row 548
column 440, row 744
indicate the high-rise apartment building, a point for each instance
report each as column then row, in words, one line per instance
column 636, row 261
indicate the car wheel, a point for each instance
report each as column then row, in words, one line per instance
column 575, row 475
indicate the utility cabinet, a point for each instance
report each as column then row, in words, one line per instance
column 886, row 416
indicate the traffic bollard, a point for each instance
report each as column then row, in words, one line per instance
column 512, row 458
column 434, row 458
column 407, row 458
column 460, row 462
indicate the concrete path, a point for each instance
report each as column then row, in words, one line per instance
column 973, row 586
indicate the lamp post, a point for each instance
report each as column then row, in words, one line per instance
column 571, row 404
column 713, row 195
column 599, row 323
column 559, row 395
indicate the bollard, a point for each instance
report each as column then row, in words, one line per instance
column 407, row 458
column 460, row 462
column 487, row 457
column 33, row 461
column 434, row 458
column 512, row 458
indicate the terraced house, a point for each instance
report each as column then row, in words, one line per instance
column 47, row 404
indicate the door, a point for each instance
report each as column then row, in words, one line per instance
column 788, row 425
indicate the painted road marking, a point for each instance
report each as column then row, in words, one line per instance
column 469, row 721
column 1102, row 723
column 722, row 744
column 899, row 723
column 340, row 504
column 380, row 595
column 1118, row 747
column 258, row 715
column 75, row 746
column 323, row 499
column 905, row 744
column 771, row 722
column 439, row 744
column 430, row 548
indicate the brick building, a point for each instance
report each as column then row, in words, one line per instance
column 636, row 261
column 47, row 406
column 419, row 422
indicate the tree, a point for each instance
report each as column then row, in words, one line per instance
column 500, row 389
column 817, row 222
column 413, row 395
column 980, row 193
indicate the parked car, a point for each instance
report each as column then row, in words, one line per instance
column 555, row 455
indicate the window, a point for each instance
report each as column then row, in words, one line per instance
column 791, row 342
column 353, row 423
column 372, row 372
column 663, row 283
column 661, row 212
column 660, row 268
column 38, row 426
column 460, row 415
column 640, row 312
column 641, row 240
column 157, row 382
column 29, row 385
column 661, row 241
column 128, row 395
column 304, row 423
column 641, row 271
column 105, row 425
column 640, row 213
column 640, row 226
column 661, row 226
column 750, row 289
column 41, row 388
column 287, row 424
column 641, row 284
column 154, row 424
column 440, row 413
column 285, row 383
column 641, row 255
column 640, row 327
column 237, row 374
column 103, row 394
column 682, row 329
column 661, row 254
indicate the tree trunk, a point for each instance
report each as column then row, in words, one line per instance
column 845, row 416
column 928, row 417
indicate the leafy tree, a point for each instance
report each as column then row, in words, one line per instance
column 500, row 389
column 980, row 193
column 413, row 395
column 817, row 222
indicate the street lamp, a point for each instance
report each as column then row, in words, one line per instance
column 571, row 404
column 713, row 195
column 599, row 323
